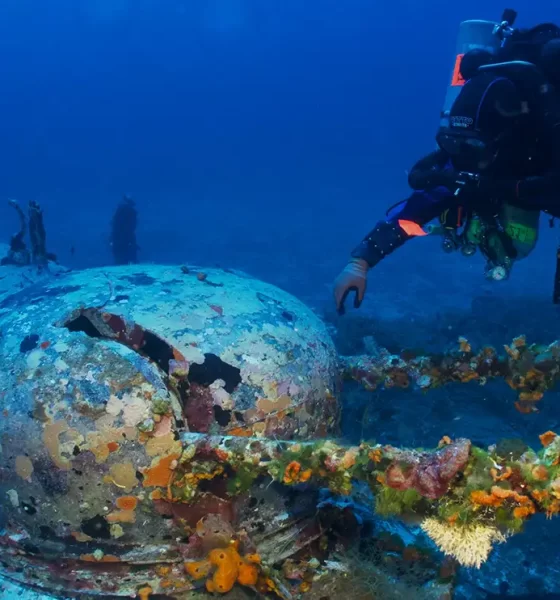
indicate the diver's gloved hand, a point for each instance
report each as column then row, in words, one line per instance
column 352, row 278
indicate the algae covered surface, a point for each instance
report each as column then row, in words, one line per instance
column 169, row 431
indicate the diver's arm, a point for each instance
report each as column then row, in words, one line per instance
column 388, row 235
column 382, row 240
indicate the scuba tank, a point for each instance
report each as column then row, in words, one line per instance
column 522, row 227
column 475, row 34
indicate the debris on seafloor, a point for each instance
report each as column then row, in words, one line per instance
column 468, row 498
column 101, row 377
column 123, row 241
column 19, row 254
column 163, row 436
column 530, row 370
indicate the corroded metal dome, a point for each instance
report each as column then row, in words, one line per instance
column 101, row 372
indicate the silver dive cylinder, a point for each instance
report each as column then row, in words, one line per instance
column 473, row 34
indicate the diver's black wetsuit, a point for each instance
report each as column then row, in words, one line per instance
column 518, row 118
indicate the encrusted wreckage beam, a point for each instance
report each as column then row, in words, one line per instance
column 467, row 498
column 530, row 370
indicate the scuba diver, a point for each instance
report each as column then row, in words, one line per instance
column 123, row 232
column 496, row 167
